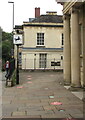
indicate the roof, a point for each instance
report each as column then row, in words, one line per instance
column 43, row 19
column 49, row 19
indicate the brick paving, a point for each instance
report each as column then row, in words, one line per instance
column 33, row 100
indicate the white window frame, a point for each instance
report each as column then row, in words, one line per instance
column 40, row 39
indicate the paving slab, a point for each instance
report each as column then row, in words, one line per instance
column 19, row 113
column 32, row 100
column 79, row 94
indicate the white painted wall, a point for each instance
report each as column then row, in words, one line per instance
column 52, row 37
column 30, row 61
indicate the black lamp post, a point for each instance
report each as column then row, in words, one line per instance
column 12, row 50
column 17, row 68
column 17, row 42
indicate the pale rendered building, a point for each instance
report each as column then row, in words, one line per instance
column 43, row 42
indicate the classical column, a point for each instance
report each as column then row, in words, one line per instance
column 75, row 49
column 67, row 50
column 83, row 45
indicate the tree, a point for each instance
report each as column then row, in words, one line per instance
column 7, row 45
column 6, row 50
column 7, row 36
column 0, row 43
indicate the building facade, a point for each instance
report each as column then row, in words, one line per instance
column 74, row 43
column 43, row 42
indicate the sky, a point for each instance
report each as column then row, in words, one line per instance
column 23, row 10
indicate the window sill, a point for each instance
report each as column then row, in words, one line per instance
column 40, row 46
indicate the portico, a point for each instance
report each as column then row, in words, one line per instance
column 74, row 43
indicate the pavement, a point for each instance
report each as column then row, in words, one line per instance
column 41, row 95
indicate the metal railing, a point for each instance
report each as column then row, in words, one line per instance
column 41, row 64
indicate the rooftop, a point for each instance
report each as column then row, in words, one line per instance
column 49, row 19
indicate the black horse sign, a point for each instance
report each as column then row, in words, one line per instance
column 18, row 39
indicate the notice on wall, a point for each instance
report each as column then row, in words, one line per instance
column 55, row 63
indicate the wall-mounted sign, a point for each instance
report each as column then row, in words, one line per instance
column 18, row 39
column 55, row 64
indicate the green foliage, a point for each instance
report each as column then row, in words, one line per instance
column 6, row 49
column 7, row 36
column 0, row 43
column 7, row 45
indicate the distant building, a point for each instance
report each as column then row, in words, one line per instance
column 43, row 42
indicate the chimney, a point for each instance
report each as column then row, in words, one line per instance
column 51, row 13
column 37, row 12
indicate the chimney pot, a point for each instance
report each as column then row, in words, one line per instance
column 37, row 12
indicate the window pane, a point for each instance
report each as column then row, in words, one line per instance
column 40, row 38
column 62, row 39
column 43, row 60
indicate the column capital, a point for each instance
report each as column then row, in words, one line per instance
column 66, row 16
column 74, row 10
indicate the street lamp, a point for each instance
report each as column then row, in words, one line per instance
column 13, row 14
column 12, row 50
column 17, row 69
